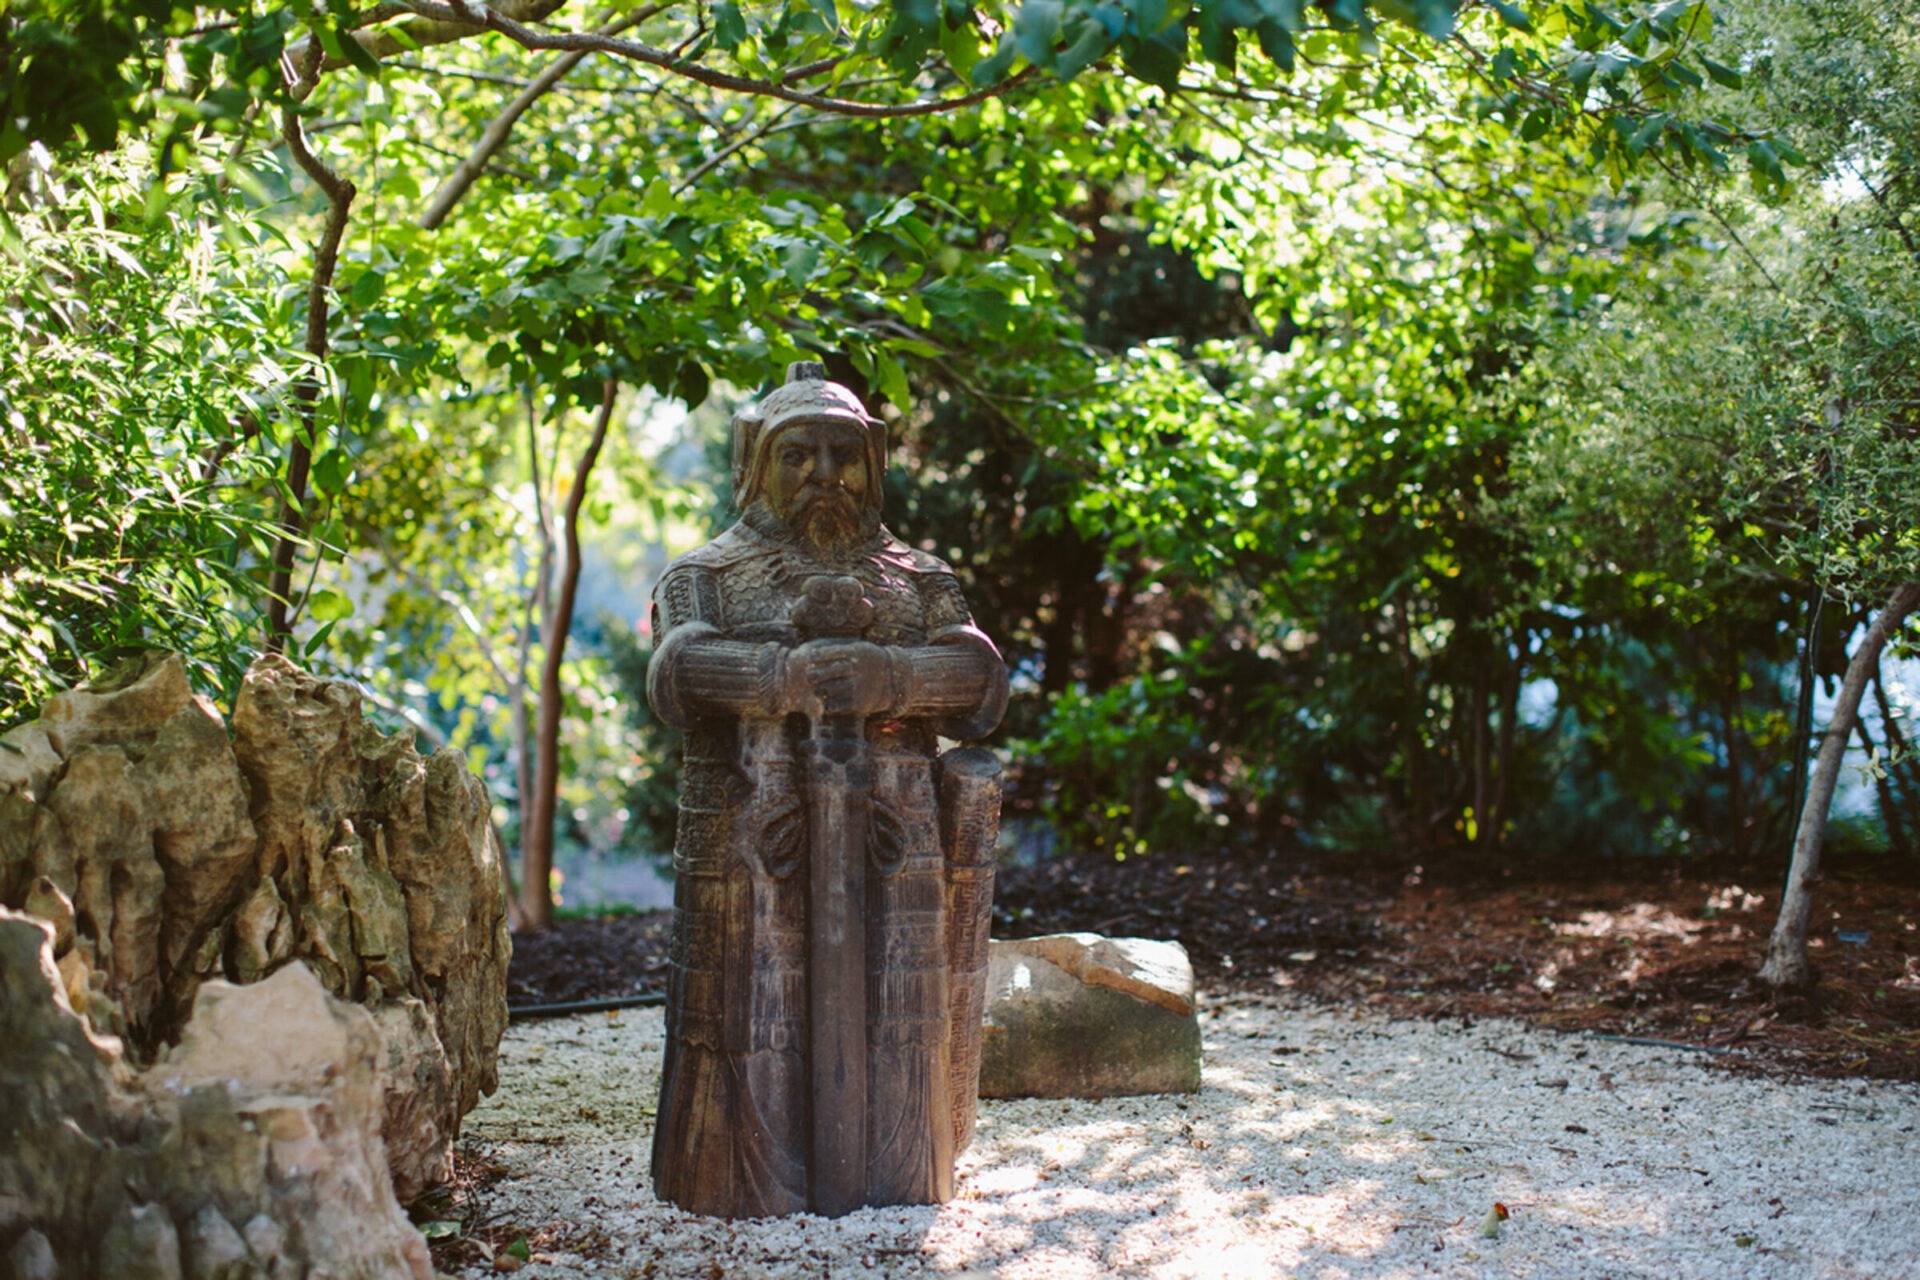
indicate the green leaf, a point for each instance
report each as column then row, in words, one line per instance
column 1722, row 75
column 1290, row 14
column 329, row 473
column 659, row 201
column 1513, row 15
column 1218, row 42
column 1035, row 29
column 993, row 68
column 1764, row 161
column 1087, row 48
column 441, row 1230
column 1276, row 42
column 328, row 605
column 729, row 26
column 315, row 643
column 1646, row 133
column 1159, row 59
column 1678, row 70
column 357, row 54
column 799, row 260
column 1148, row 17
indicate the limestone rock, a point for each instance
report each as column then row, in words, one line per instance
column 384, row 862
column 27, row 760
column 420, row 1100
column 167, row 856
column 267, row 1114
column 1076, row 1015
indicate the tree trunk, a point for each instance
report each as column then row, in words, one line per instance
column 1786, row 967
column 1515, row 647
column 1479, row 746
column 536, row 822
column 306, row 392
column 1730, row 727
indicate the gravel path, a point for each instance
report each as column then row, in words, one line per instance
column 1322, row 1146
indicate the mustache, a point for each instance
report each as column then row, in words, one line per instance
column 813, row 495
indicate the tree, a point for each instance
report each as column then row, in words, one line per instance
column 129, row 490
column 900, row 212
column 1791, row 448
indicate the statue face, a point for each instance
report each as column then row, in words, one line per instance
column 818, row 480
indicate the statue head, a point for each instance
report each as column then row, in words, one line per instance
column 809, row 456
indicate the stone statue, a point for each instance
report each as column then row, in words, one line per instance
column 834, row 871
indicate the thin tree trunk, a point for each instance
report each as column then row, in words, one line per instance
column 1730, row 727
column 306, row 393
column 1481, row 746
column 1803, row 712
column 535, row 619
column 536, row 825
column 1509, row 731
column 1786, row 966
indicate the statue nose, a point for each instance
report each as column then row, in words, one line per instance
column 827, row 468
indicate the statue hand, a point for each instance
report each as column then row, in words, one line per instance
column 840, row 678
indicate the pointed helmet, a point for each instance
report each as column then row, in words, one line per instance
column 806, row 396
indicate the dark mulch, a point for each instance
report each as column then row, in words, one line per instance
column 590, row 958
column 1617, row 948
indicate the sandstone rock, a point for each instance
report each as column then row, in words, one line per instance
column 45, row 900
column 268, row 1113
column 167, row 857
column 126, row 706
column 420, row 1098
column 27, row 760
column 1079, row 1015
column 385, row 863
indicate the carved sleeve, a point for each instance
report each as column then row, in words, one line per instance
column 957, row 677
column 696, row 671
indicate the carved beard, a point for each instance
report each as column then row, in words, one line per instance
column 831, row 519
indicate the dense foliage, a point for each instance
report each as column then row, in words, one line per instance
column 1363, row 423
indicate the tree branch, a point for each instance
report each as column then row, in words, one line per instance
column 479, row 17
column 536, row 831
column 306, row 393
column 405, row 37
column 740, row 143
column 494, row 136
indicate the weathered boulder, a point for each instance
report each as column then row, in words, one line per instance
column 1076, row 1015
column 250, row 1151
column 167, row 856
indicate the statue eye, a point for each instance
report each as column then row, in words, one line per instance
column 793, row 457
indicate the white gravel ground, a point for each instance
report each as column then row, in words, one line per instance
column 1322, row 1145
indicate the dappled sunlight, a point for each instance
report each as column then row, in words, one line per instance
column 1639, row 921
column 1320, row 1146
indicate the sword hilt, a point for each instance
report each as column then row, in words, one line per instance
column 833, row 606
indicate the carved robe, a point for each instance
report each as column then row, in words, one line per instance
column 732, row 1132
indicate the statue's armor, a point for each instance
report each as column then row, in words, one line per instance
column 730, row 1137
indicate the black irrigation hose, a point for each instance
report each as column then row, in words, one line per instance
column 528, row 1012
column 1656, row 1043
